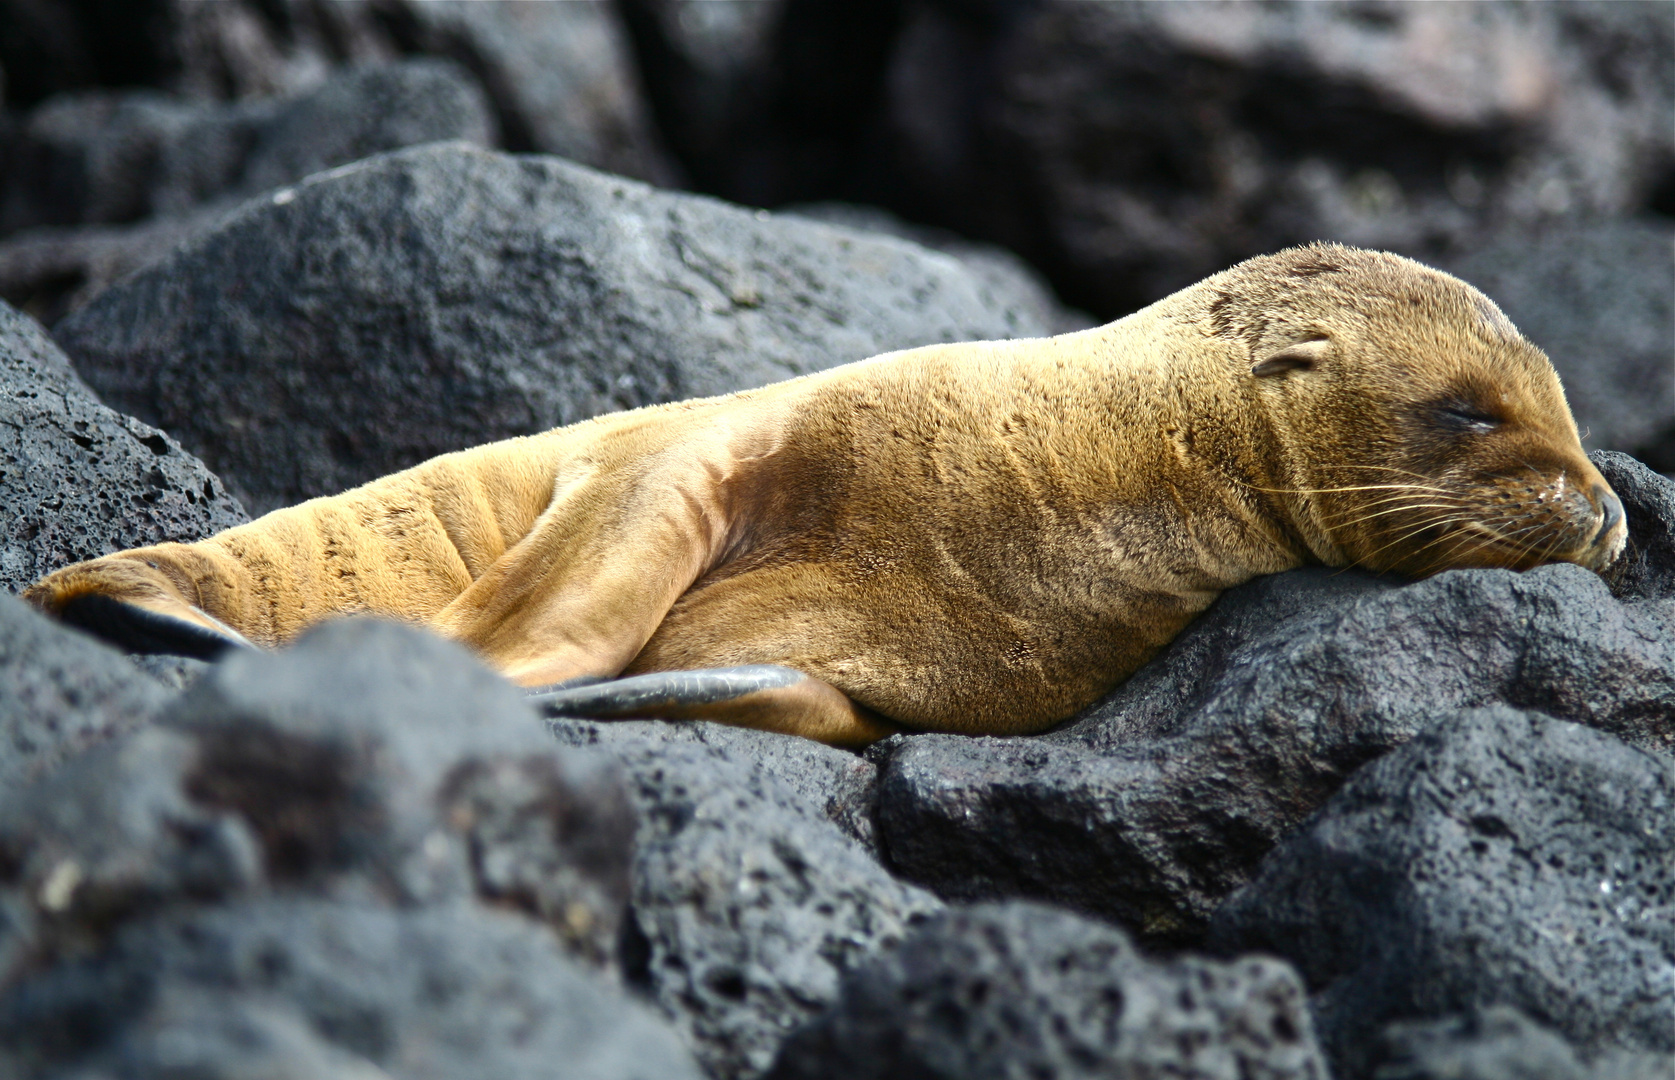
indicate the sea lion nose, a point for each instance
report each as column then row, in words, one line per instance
column 1610, row 509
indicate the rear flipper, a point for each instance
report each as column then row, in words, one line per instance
column 135, row 629
column 763, row 696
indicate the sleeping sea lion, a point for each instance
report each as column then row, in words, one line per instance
column 982, row 537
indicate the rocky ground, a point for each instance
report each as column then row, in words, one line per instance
column 1343, row 826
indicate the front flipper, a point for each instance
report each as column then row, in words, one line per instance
column 139, row 630
column 762, row 696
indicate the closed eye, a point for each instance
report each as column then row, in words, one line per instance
column 1463, row 414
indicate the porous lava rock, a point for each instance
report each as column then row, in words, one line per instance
column 450, row 992
column 368, row 837
column 1499, row 1043
column 79, row 480
column 1024, row 990
column 1162, row 798
column 1500, row 858
column 842, row 785
column 748, row 904
column 444, row 296
column 1129, row 149
column 1646, row 568
column 61, row 692
column 102, row 183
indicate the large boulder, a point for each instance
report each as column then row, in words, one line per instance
column 999, row 991
column 78, row 480
column 443, row 296
column 1162, row 798
column 1129, row 149
column 1500, row 1043
column 841, row 785
column 354, row 989
column 749, row 905
column 1501, row 858
column 102, row 182
column 370, row 831
column 60, row 693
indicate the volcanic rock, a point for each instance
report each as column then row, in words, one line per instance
column 1023, row 990
column 748, row 904
column 78, row 480
column 1500, row 858
column 60, row 693
column 1162, row 798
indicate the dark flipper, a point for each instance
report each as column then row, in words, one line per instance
column 134, row 629
column 763, row 696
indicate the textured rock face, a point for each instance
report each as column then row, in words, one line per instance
column 1501, row 858
column 443, row 296
column 83, row 168
column 1646, row 568
column 450, row 993
column 368, row 848
column 1164, row 796
column 1022, row 990
column 78, row 480
column 1599, row 298
column 60, row 692
column 840, row 784
column 1500, row 1043
column 1129, row 149
column 748, row 904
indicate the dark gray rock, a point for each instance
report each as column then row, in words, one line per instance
column 370, row 760
column 110, row 158
column 1163, row 797
column 1023, row 990
column 78, row 480
column 1499, row 858
column 60, row 693
column 455, row 993
column 1499, row 1043
column 1599, row 298
column 560, row 76
column 444, row 296
column 838, row 783
column 748, row 904
column 1646, row 568
column 85, row 169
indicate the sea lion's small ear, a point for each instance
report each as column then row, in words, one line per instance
column 1299, row 357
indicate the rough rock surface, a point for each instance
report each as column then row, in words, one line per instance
column 1499, row 1043
column 1024, row 990
column 444, row 296
column 748, row 905
column 78, row 480
column 1599, row 298
column 1499, row 858
column 1646, row 568
column 842, row 785
column 1162, row 798
column 83, row 168
column 455, row 993
column 559, row 75
column 60, row 692
column 338, row 830
column 1129, row 149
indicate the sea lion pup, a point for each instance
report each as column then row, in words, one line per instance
column 982, row 537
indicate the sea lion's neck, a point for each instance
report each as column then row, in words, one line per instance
column 1199, row 435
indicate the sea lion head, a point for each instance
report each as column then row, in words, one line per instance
column 1413, row 427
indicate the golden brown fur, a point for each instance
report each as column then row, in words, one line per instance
column 981, row 537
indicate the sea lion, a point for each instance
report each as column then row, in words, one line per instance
column 981, row 537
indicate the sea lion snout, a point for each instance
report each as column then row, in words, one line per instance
column 1609, row 541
